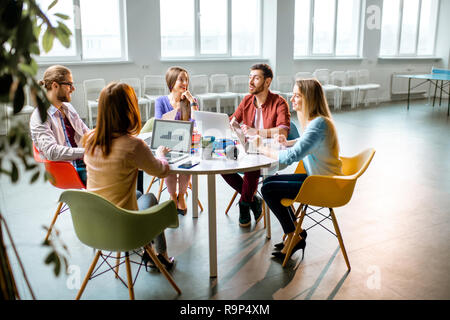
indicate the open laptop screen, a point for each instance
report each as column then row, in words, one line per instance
column 174, row 134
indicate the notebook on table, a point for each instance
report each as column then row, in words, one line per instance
column 212, row 123
column 175, row 135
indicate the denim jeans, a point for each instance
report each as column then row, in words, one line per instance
column 146, row 201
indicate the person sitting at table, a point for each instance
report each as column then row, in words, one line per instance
column 59, row 137
column 261, row 113
column 177, row 80
column 114, row 155
column 317, row 146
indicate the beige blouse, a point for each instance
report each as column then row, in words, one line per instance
column 115, row 176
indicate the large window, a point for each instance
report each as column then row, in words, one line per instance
column 408, row 27
column 97, row 26
column 327, row 28
column 210, row 28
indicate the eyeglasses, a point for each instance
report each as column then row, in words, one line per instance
column 68, row 84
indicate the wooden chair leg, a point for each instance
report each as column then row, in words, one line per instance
column 88, row 275
column 150, row 185
column 339, row 236
column 231, row 202
column 117, row 264
column 297, row 231
column 161, row 186
column 58, row 210
column 129, row 276
column 161, row 268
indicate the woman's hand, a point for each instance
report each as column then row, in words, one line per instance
column 281, row 139
column 188, row 96
column 162, row 151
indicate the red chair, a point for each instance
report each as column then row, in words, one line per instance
column 62, row 175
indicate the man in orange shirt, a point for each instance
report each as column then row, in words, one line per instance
column 260, row 113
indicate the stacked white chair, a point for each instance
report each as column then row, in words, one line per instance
column 92, row 89
column 323, row 75
column 239, row 85
column 339, row 79
column 200, row 89
column 365, row 86
column 220, row 86
column 143, row 102
column 154, row 87
column 284, row 86
column 303, row 75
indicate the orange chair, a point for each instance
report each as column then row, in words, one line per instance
column 62, row 175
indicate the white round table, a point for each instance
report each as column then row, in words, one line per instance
column 245, row 162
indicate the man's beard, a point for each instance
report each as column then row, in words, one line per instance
column 63, row 97
column 258, row 89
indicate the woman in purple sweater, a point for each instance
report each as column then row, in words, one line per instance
column 177, row 80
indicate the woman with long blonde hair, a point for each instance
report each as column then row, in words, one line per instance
column 113, row 156
column 317, row 146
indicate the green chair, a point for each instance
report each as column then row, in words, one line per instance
column 103, row 226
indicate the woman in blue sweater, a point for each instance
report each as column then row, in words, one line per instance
column 177, row 80
column 317, row 146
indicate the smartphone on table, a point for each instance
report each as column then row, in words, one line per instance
column 188, row 164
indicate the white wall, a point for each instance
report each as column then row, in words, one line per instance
column 278, row 31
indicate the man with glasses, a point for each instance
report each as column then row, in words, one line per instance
column 59, row 137
column 260, row 113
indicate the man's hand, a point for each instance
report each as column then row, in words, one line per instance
column 249, row 131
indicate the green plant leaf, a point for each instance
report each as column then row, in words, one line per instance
column 50, row 258
column 35, row 177
column 52, row 4
column 14, row 172
column 62, row 37
column 19, row 99
column 62, row 16
column 47, row 39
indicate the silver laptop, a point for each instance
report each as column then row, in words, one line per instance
column 212, row 124
column 173, row 134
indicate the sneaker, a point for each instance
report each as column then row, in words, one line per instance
column 244, row 214
column 256, row 207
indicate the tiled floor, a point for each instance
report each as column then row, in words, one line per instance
column 395, row 228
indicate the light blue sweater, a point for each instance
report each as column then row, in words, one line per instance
column 316, row 148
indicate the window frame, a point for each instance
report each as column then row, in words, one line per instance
column 228, row 54
column 332, row 55
column 78, row 39
column 399, row 35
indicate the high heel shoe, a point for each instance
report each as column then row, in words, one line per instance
column 146, row 259
column 280, row 245
column 180, row 211
column 168, row 264
column 300, row 245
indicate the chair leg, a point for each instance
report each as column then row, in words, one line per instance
column 161, row 186
column 150, row 185
column 198, row 200
column 231, row 202
column 339, row 236
column 161, row 268
column 58, row 210
column 117, row 264
column 297, row 231
column 88, row 275
column 129, row 276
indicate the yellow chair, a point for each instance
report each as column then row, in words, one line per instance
column 328, row 192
